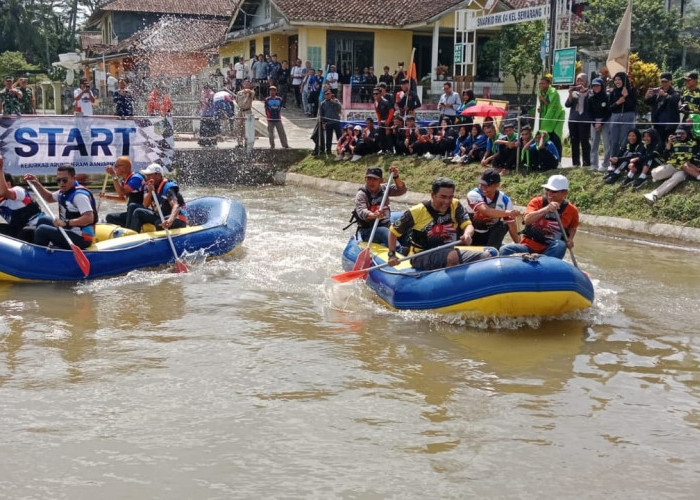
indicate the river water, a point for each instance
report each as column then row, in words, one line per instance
column 256, row 376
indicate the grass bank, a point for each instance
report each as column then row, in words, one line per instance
column 587, row 189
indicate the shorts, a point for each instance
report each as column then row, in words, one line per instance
column 438, row 259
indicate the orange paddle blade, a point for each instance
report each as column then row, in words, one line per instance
column 81, row 259
column 364, row 259
column 180, row 266
column 349, row 276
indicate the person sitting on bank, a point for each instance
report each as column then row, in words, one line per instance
column 491, row 212
column 507, row 148
column 539, row 153
column 491, row 153
column 649, row 158
column 542, row 233
column 682, row 160
column 368, row 142
column 434, row 223
column 161, row 190
column 632, row 148
column 129, row 187
column 77, row 212
column 368, row 200
column 16, row 207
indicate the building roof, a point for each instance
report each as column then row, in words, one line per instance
column 210, row 8
column 385, row 13
column 174, row 34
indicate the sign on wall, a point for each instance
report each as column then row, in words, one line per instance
column 508, row 17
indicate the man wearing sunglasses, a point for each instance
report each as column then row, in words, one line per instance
column 77, row 211
column 542, row 233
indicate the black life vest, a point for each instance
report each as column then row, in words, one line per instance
column 536, row 233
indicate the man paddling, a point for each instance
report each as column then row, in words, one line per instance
column 16, row 207
column 129, row 187
column 368, row 201
column 434, row 223
column 543, row 233
column 165, row 192
column 77, row 211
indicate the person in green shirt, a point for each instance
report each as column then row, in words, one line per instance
column 28, row 101
column 551, row 112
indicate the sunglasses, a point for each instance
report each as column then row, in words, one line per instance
column 62, row 180
column 551, row 191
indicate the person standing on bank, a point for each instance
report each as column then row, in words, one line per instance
column 598, row 107
column 579, row 123
column 434, row 223
column 551, row 112
column 368, row 200
column 491, row 212
column 77, row 212
column 664, row 101
column 542, row 233
column 623, row 106
column 83, row 98
column 273, row 111
column 330, row 120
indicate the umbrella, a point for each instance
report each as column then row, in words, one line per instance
column 484, row 110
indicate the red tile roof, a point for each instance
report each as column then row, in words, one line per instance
column 219, row 8
column 387, row 12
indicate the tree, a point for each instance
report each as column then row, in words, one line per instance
column 520, row 52
column 654, row 31
column 14, row 63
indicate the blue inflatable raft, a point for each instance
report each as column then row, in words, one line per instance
column 518, row 285
column 217, row 226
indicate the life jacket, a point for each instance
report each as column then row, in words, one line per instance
column 375, row 201
column 542, row 234
column 434, row 233
column 134, row 196
column 483, row 223
column 65, row 197
column 161, row 199
column 19, row 217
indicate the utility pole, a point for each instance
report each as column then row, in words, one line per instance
column 552, row 33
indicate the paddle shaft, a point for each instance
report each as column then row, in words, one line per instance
column 104, row 190
column 566, row 238
column 351, row 275
column 179, row 265
column 78, row 254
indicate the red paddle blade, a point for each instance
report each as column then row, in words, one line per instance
column 349, row 276
column 180, row 266
column 363, row 260
column 81, row 259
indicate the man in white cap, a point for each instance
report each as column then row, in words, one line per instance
column 161, row 190
column 542, row 233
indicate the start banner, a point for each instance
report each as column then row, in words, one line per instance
column 38, row 144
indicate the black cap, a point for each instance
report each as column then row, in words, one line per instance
column 666, row 76
column 692, row 75
column 489, row 177
column 375, row 172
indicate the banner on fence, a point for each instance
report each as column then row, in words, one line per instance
column 38, row 145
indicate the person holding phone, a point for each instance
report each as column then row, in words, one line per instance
column 663, row 102
column 83, row 98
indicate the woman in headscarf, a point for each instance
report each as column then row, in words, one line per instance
column 579, row 122
column 623, row 106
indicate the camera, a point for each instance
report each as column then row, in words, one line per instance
column 678, row 137
column 656, row 90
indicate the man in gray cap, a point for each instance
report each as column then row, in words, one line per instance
column 10, row 98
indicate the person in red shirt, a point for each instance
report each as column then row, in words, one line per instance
column 542, row 233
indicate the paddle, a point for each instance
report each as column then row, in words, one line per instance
column 352, row 275
column 78, row 254
column 363, row 260
column 180, row 266
column 566, row 238
column 102, row 193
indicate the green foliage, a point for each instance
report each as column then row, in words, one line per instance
column 643, row 76
column 488, row 58
column 520, row 51
column 13, row 63
column 654, row 31
column 587, row 189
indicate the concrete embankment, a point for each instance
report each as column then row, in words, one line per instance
column 597, row 223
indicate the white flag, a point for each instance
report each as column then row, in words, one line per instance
column 618, row 57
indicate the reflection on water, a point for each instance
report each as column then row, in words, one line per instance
column 157, row 385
